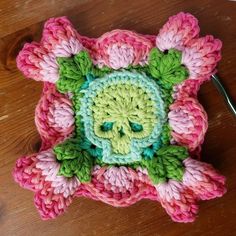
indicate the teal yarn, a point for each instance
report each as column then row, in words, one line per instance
column 106, row 126
column 149, row 152
column 136, row 127
column 89, row 147
column 79, row 76
column 136, row 145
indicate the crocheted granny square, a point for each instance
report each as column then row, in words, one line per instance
column 119, row 118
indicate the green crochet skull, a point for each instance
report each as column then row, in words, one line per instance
column 125, row 114
column 121, row 113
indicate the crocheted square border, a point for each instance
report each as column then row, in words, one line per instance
column 119, row 118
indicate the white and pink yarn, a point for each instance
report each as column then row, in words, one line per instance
column 55, row 119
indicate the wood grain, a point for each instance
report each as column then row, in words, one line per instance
column 22, row 21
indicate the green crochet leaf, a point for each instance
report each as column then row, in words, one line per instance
column 83, row 171
column 174, row 168
column 173, row 151
column 65, row 85
column 72, row 71
column 83, row 62
column 166, row 95
column 68, row 167
column 167, row 68
column 100, row 72
column 68, row 150
column 156, row 169
column 68, row 68
column 80, row 167
column 173, row 157
column 165, row 135
column 73, row 160
column 70, row 77
column 166, row 164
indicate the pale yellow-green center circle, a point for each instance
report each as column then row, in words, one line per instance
column 123, row 105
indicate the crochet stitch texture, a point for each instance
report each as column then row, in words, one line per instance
column 119, row 118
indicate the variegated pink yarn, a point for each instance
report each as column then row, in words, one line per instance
column 120, row 193
column 49, row 166
column 201, row 56
column 120, row 56
column 54, row 116
column 188, row 122
column 122, row 41
column 60, row 37
column 177, row 32
column 209, row 183
column 56, row 119
column 178, row 201
column 37, row 63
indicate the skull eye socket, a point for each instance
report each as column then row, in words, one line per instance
column 135, row 127
column 107, row 126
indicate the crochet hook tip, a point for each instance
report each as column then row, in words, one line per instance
column 221, row 89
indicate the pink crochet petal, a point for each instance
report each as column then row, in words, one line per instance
column 26, row 174
column 34, row 171
column 47, row 163
column 121, row 48
column 60, row 38
column 201, row 55
column 54, row 116
column 178, row 201
column 188, row 122
column 188, row 88
column 50, row 205
column 177, row 32
column 118, row 179
column 107, row 185
column 38, row 173
column 203, row 179
column 37, row 63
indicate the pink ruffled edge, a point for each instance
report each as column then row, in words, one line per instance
column 200, row 55
column 116, row 49
column 117, row 186
column 120, row 48
column 38, row 173
column 38, row 61
column 188, row 123
column 54, row 117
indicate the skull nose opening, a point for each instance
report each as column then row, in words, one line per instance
column 121, row 132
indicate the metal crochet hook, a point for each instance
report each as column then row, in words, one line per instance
column 223, row 92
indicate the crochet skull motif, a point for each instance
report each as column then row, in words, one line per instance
column 122, row 116
column 119, row 118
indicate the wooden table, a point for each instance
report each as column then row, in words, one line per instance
column 21, row 21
